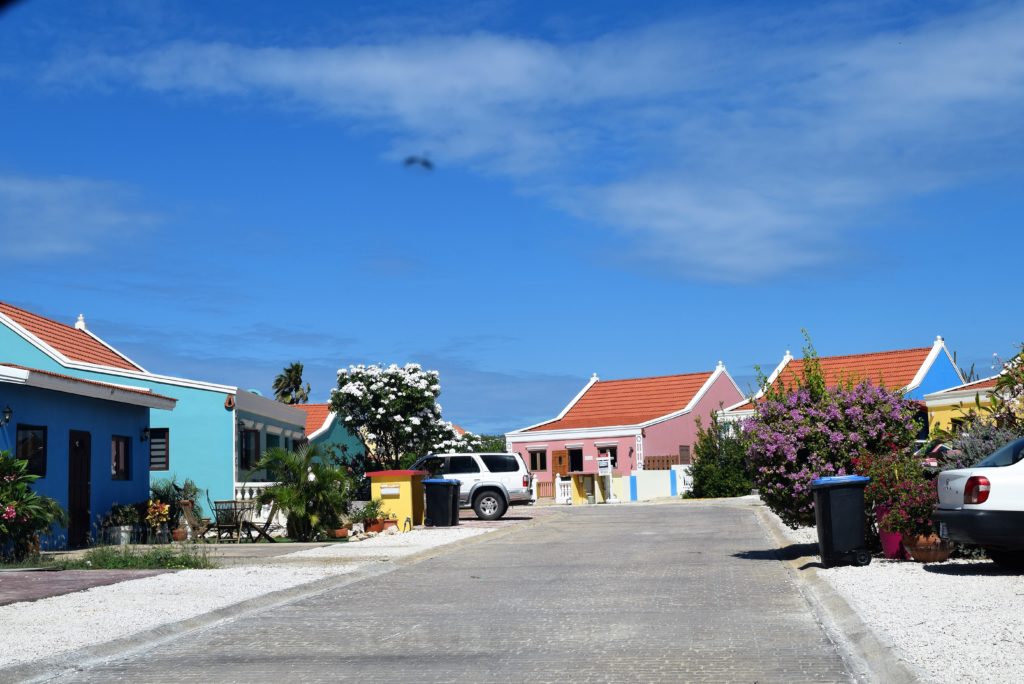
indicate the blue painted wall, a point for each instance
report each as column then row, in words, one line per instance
column 338, row 436
column 942, row 375
column 61, row 413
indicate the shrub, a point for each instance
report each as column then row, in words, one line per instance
column 720, row 463
column 805, row 434
column 24, row 515
column 910, row 507
column 171, row 493
column 975, row 439
column 165, row 557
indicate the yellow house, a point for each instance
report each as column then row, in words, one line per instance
column 949, row 406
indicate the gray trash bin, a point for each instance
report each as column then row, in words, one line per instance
column 442, row 502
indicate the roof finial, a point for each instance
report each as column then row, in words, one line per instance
column 594, row 377
column 787, row 355
column 721, row 366
column 80, row 323
column 938, row 339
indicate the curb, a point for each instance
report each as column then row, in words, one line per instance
column 869, row 656
column 45, row 669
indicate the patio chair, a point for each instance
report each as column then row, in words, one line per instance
column 230, row 519
column 198, row 527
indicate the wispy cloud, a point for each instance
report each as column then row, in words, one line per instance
column 730, row 153
column 48, row 217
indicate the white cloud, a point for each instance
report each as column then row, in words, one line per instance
column 732, row 152
column 48, row 217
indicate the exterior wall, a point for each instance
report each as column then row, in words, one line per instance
column 625, row 448
column 665, row 438
column 942, row 417
column 267, row 426
column 942, row 375
column 337, row 437
column 61, row 413
column 655, row 484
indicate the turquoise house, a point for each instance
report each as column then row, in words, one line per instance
column 85, row 440
column 215, row 434
column 324, row 429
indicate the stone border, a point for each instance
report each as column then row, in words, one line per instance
column 869, row 656
column 45, row 669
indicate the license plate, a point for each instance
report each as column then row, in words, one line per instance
column 943, row 530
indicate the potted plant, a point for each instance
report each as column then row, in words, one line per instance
column 171, row 493
column 157, row 515
column 119, row 524
column 373, row 517
column 909, row 513
column 887, row 471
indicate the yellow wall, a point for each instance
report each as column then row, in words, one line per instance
column 402, row 496
column 942, row 417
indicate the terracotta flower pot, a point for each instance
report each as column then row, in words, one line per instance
column 179, row 534
column 341, row 533
column 927, row 548
column 380, row 525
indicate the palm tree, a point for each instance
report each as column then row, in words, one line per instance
column 288, row 387
column 314, row 492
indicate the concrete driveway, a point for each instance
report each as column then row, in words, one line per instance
column 631, row 593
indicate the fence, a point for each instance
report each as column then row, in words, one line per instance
column 664, row 462
column 545, row 490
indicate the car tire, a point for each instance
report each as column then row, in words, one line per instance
column 489, row 505
column 1008, row 560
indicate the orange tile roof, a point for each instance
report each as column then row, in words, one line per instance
column 629, row 402
column 316, row 415
column 891, row 369
column 75, row 344
column 122, row 388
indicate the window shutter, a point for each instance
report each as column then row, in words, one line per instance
column 159, row 448
column 684, row 454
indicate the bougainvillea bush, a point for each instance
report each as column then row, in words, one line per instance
column 803, row 434
column 24, row 515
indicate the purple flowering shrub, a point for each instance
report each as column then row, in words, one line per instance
column 800, row 435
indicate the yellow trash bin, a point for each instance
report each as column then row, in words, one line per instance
column 401, row 493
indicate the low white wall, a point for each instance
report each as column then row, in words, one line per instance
column 653, row 484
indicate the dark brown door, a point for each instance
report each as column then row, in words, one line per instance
column 79, row 487
column 560, row 463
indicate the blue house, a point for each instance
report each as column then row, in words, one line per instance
column 86, row 440
column 214, row 436
column 324, row 429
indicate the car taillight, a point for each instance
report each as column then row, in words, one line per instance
column 526, row 481
column 976, row 490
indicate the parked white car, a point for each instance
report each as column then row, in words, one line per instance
column 984, row 505
column 490, row 483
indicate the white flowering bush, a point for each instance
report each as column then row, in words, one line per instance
column 394, row 412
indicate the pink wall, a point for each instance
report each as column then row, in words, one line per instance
column 665, row 438
column 661, row 439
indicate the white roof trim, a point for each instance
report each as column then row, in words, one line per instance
column 323, row 428
column 705, row 388
column 85, row 388
column 786, row 358
column 937, row 347
column 110, row 370
column 590, row 383
column 520, row 437
column 958, row 390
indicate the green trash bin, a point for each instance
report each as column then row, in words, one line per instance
column 839, row 517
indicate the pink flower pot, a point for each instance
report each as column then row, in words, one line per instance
column 892, row 544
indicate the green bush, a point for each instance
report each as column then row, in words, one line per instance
column 720, row 463
column 165, row 557
column 24, row 515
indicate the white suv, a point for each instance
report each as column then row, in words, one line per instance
column 490, row 483
column 984, row 505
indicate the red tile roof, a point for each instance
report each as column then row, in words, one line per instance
column 316, row 415
column 983, row 384
column 122, row 388
column 891, row 369
column 629, row 402
column 75, row 344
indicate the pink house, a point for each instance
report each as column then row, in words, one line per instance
column 636, row 422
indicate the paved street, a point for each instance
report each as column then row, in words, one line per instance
column 665, row 593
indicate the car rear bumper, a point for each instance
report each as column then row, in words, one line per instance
column 996, row 529
column 520, row 498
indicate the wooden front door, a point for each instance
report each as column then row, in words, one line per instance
column 79, row 487
column 560, row 463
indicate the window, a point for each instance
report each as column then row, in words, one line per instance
column 31, row 447
column 159, row 448
column 684, row 454
column 500, row 463
column 458, row 465
column 249, row 450
column 274, row 441
column 575, row 460
column 538, row 460
column 612, row 451
column 432, row 464
column 119, row 458
column 1005, row 456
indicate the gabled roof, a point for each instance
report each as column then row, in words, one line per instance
column 981, row 387
column 901, row 369
column 33, row 377
column 635, row 401
column 73, row 343
column 318, row 417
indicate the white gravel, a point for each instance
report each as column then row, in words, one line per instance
column 59, row 624
column 959, row 621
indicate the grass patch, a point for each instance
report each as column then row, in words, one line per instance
column 164, row 557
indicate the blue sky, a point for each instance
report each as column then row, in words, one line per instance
column 628, row 189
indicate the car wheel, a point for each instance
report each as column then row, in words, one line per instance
column 1008, row 560
column 489, row 505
